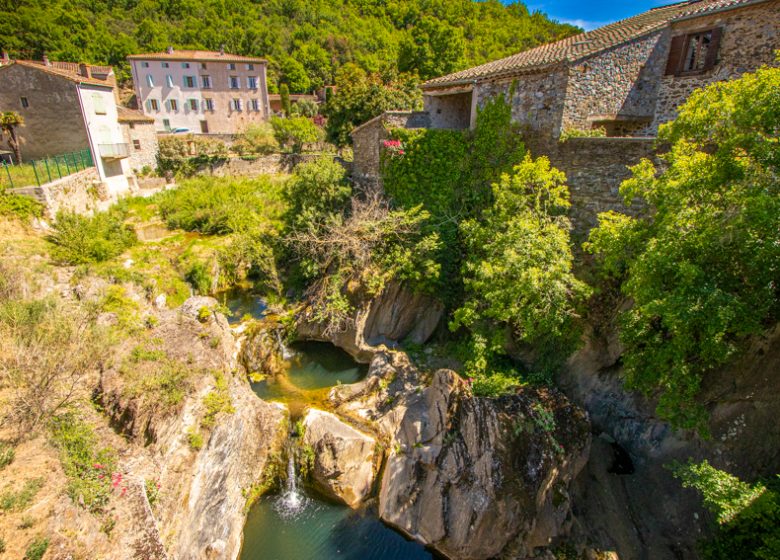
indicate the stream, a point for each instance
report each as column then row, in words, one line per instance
column 296, row 523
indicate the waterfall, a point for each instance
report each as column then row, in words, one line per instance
column 292, row 502
column 286, row 352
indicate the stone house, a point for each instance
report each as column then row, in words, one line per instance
column 204, row 92
column 140, row 137
column 627, row 77
column 67, row 109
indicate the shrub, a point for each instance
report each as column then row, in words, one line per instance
column 194, row 438
column 748, row 516
column 36, row 549
column 317, row 193
column 152, row 489
column 87, row 466
column 166, row 384
column 7, row 454
column 81, row 239
column 23, row 207
column 305, row 108
column 702, row 268
column 295, row 132
column 184, row 154
column 217, row 400
column 256, row 139
column 567, row 133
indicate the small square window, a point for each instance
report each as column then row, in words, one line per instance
column 131, row 125
column 167, row 124
column 250, row 66
column 173, row 104
column 251, row 82
column 206, row 80
column 137, row 144
column 24, row 101
column 185, row 64
column 209, row 104
column 203, row 66
column 189, row 81
column 231, row 66
column 144, row 65
column 236, row 104
column 165, row 65
column 234, row 82
column 153, row 105
column 193, row 104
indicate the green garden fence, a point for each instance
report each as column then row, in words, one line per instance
column 39, row 171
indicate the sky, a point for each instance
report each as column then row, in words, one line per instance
column 590, row 14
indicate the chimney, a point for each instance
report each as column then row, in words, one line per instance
column 84, row 70
column 222, row 50
column 169, row 50
column 4, row 58
column 46, row 59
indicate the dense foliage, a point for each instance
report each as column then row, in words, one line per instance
column 294, row 133
column 703, row 267
column 748, row 516
column 184, row 155
column 78, row 239
column 307, row 41
column 518, row 269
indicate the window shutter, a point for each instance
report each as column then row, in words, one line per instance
column 712, row 51
column 675, row 55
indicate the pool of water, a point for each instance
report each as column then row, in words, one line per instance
column 323, row 531
column 242, row 302
column 313, row 367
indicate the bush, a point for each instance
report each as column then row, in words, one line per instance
column 7, row 454
column 317, row 194
column 23, row 207
column 217, row 400
column 183, row 155
column 82, row 240
column 748, row 516
column 36, row 549
column 567, row 133
column 295, row 132
column 702, row 268
column 256, row 139
column 305, row 108
column 194, row 438
column 87, row 466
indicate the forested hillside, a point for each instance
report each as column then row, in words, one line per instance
column 306, row 40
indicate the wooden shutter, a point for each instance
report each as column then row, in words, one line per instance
column 712, row 51
column 675, row 55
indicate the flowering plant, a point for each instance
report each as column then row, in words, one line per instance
column 394, row 147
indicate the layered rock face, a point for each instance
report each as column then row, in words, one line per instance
column 396, row 314
column 343, row 457
column 471, row 477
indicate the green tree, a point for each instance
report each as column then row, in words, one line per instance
column 703, row 266
column 518, row 268
column 9, row 122
column 294, row 75
column 295, row 132
column 433, row 48
column 284, row 94
column 317, row 193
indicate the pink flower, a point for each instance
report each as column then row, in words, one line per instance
column 124, row 490
column 97, row 466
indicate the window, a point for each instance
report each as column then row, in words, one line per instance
column 250, row 66
column 185, row 64
column 173, row 105
column 206, row 80
column 694, row 53
column 202, row 65
column 208, row 104
column 234, row 84
column 204, row 127
column 189, row 81
column 149, row 80
column 136, row 144
column 153, row 105
column 193, row 103
column 167, row 124
column 24, row 101
column 99, row 104
column 169, row 80
column 235, row 104
column 251, row 82
column 165, row 65
column 231, row 66
column 131, row 125
column 144, row 65
column 255, row 104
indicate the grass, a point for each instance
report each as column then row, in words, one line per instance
column 21, row 500
column 218, row 400
column 36, row 549
column 23, row 207
column 87, row 465
column 194, row 438
column 168, row 382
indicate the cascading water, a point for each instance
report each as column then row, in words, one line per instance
column 292, row 502
column 286, row 352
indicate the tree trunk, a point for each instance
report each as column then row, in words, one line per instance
column 13, row 143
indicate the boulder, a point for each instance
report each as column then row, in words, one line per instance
column 262, row 350
column 343, row 457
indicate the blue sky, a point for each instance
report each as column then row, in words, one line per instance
column 592, row 13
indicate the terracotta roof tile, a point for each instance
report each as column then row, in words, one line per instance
column 62, row 73
column 132, row 115
column 579, row 46
column 200, row 56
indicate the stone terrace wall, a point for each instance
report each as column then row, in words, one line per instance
column 751, row 35
column 81, row 193
column 263, row 165
column 595, row 168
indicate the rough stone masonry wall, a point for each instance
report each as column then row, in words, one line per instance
column 621, row 81
column 81, row 193
column 144, row 134
column 751, row 36
column 271, row 164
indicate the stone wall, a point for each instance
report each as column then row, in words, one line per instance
column 142, row 133
column 595, row 168
column 751, row 35
column 263, row 165
column 367, row 139
column 53, row 123
column 621, row 82
column 449, row 111
column 81, row 193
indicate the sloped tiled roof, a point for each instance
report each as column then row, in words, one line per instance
column 60, row 72
column 579, row 46
column 131, row 115
column 200, row 56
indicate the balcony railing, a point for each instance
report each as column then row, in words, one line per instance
column 113, row 151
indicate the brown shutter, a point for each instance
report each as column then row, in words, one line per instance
column 675, row 55
column 712, row 51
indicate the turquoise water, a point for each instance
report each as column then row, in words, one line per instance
column 321, row 532
column 241, row 302
column 313, row 366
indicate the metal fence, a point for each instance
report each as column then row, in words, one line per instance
column 39, row 171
